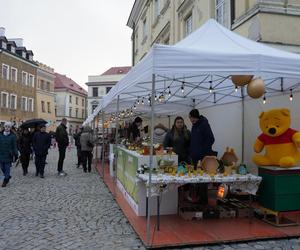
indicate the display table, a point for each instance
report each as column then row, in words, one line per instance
column 133, row 190
column 248, row 183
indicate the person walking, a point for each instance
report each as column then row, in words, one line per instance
column 41, row 143
column 87, row 145
column 62, row 142
column 24, row 146
column 179, row 138
column 8, row 151
column 76, row 137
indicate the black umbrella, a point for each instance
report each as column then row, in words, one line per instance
column 32, row 123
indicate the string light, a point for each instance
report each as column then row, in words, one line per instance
column 264, row 100
column 131, row 112
column 210, row 87
column 143, row 101
column 291, row 95
column 149, row 99
column 182, row 87
column 236, row 88
column 155, row 97
column 169, row 93
column 138, row 101
column 134, row 106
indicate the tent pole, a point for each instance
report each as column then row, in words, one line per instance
column 116, row 141
column 151, row 159
column 243, row 123
column 103, row 144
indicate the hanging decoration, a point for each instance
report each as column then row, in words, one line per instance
column 241, row 80
column 256, row 88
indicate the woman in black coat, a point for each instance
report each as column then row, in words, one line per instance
column 179, row 138
column 24, row 146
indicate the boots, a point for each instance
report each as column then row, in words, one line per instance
column 5, row 181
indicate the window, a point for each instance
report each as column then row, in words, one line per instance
column 108, row 89
column 48, row 86
column 188, row 25
column 24, row 78
column 24, row 103
column 30, row 105
column 43, row 106
column 83, row 113
column 5, row 71
column 48, row 107
column 76, row 113
column 4, row 100
column 30, row 58
column 13, row 49
column 70, row 99
column 70, row 112
column 4, row 45
column 24, row 54
column 55, row 111
column 94, row 107
column 13, row 101
column 82, row 102
column 76, row 100
column 14, row 74
column 145, row 30
column 31, row 80
column 156, row 8
column 220, row 11
column 95, row 92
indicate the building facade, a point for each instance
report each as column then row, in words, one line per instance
column 18, row 74
column 274, row 22
column 45, row 95
column 99, row 85
column 70, row 102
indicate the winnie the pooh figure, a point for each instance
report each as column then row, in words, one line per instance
column 280, row 141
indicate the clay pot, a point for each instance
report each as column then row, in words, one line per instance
column 241, row 80
column 210, row 165
column 256, row 88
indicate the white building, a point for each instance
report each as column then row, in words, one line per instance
column 100, row 85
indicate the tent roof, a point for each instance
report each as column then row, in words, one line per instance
column 202, row 64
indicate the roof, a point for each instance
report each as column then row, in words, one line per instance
column 63, row 82
column 117, row 71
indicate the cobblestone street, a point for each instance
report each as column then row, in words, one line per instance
column 74, row 212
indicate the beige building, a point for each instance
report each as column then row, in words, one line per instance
column 17, row 81
column 70, row 101
column 100, row 85
column 275, row 22
column 45, row 95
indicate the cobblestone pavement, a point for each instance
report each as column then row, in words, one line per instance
column 75, row 212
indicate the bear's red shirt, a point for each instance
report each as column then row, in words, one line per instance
column 286, row 137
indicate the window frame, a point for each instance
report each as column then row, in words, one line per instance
column 24, row 108
column 49, row 107
column 30, row 109
column 188, row 26
column 93, row 94
column 7, row 97
column 15, row 75
column 43, row 106
column 15, row 103
column 30, row 76
column 7, row 71
column 26, row 78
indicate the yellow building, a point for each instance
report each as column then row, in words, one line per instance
column 275, row 22
column 70, row 102
column 17, row 81
column 45, row 95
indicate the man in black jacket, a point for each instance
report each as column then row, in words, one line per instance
column 134, row 131
column 63, row 142
column 202, row 137
column 41, row 143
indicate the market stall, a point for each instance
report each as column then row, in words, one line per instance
column 198, row 72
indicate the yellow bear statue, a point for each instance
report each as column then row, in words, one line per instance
column 280, row 141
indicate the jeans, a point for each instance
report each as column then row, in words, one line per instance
column 5, row 167
column 40, row 163
column 62, row 154
column 87, row 157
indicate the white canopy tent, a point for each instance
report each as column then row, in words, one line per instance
column 201, row 65
column 196, row 73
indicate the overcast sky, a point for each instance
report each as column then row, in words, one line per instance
column 75, row 37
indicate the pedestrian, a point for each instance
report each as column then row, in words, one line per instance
column 179, row 138
column 202, row 137
column 62, row 142
column 41, row 143
column 24, row 146
column 8, row 151
column 76, row 137
column 87, row 145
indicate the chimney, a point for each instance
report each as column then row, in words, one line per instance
column 2, row 31
column 18, row 41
